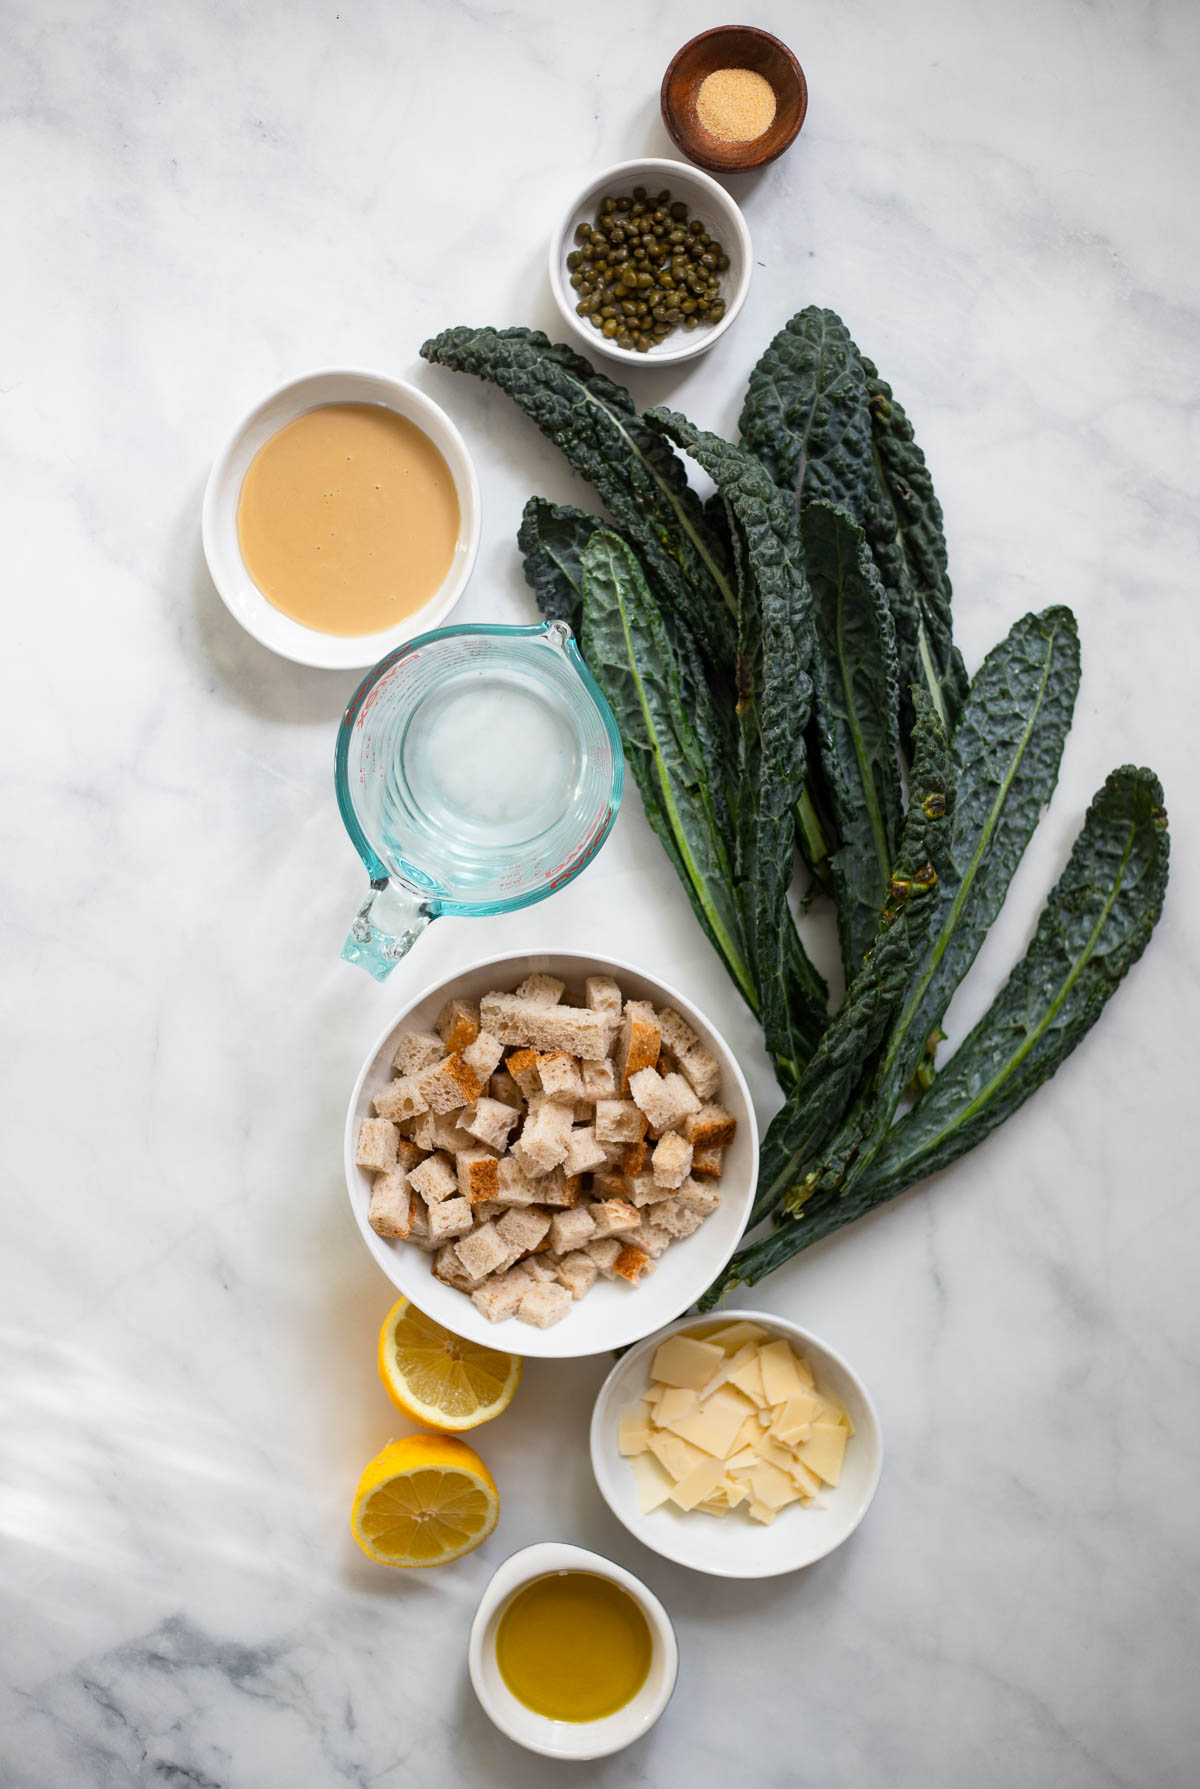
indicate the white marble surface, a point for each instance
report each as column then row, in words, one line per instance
column 201, row 199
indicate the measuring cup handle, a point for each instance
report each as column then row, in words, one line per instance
column 385, row 928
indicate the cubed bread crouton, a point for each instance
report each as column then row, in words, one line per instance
column 490, row 1122
column 499, row 1295
column 448, row 1219
column 420, row 1131
column 677, row 1035
column 710, row 1127
column 707, row 1164
column 633, row 1264
column 695, row 1195
column 599, row 1079
column 522, row 1065
column 516, row 1188
column 390, row 1211
column 612, row 1217
column 577, row 1272
column 654, row 1239
column 672, row 1160
column 505, row 1089
column 603, row 1250
column 478, row 1175
column 483, row 1056
column 643, row 1189
column 543, row 990
column 677, row 1219
column 435, row 1178
column 458, row 1025
column 544, row 1304
column 445, row 1132
column 574, row 1029
column 608, row 1183
column 484, row 1250
column 447, row 1267
column 638, row 1041
column 419, row 1234
column 450, row 1084
column 487, row 1208
column 540, row 1268
column 559, row 1189
column 523, row 1230
column 415, row 1051
column 702, row 1071
column 560, row 1077
column 378, row 1140
column 602, row 994
column 544, row 1136
column 635, row 1157
column 408, row 1154
column 571, row 1229
column 665, row 1099
column 620, row 1120
column 584, row 1153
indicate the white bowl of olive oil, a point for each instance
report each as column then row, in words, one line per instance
column 341, row 519
column 570, row 1655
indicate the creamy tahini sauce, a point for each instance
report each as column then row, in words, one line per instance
column 348, row 519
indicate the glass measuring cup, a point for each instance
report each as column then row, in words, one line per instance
column 478, row 769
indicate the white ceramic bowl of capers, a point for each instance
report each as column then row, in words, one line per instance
column 658, row 256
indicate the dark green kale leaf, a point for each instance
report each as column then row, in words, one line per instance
column 775, row 647
column 1093, row 928
column 825, row 425
column 552, row 537
column 632, row 467
column 857, row 1030
column 629, row 653
column 858, row 719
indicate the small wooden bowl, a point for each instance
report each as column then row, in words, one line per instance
column 733, row 46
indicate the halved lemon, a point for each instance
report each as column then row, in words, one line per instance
column 423, row 1500
column 439, row 1379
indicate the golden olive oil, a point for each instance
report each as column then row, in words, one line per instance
column 573, row 1646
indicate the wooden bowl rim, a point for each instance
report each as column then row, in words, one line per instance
column 738, row 159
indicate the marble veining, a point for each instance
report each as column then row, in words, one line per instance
column 200, row 200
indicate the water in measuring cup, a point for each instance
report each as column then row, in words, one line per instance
column 489, row 763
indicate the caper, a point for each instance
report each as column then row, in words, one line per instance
column 688, row 307
column 610, row 328
column 639, row 192
column 696, row 227
column 629, row 309
column 722, row 263
column 596, row 322
column 717, row 311
column 642, row 269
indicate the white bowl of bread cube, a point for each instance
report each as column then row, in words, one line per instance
column 737, row 1444
column 551, row 1154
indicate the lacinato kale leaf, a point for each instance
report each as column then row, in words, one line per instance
column 632, row 467
column 825, row 425
column 629, row 653
column 856, row 1032
column 775, row 647
column 552, row 537
column 858, row 719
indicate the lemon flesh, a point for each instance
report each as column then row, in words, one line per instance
column 424, row 1500
column 439, row 1378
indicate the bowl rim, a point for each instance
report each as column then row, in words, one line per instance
column 543, row 1344
column 538, row 1561
column 602, row 1442
column 690, row 346
column 748, row 160
column 252, row 610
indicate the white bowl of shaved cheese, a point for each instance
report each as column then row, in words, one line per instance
column 736, row 1444
column 551, row 1154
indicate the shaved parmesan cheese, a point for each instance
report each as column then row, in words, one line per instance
column 683, row 1360
column 699, row 1483
column 733, row 1419
column 653, row 1484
